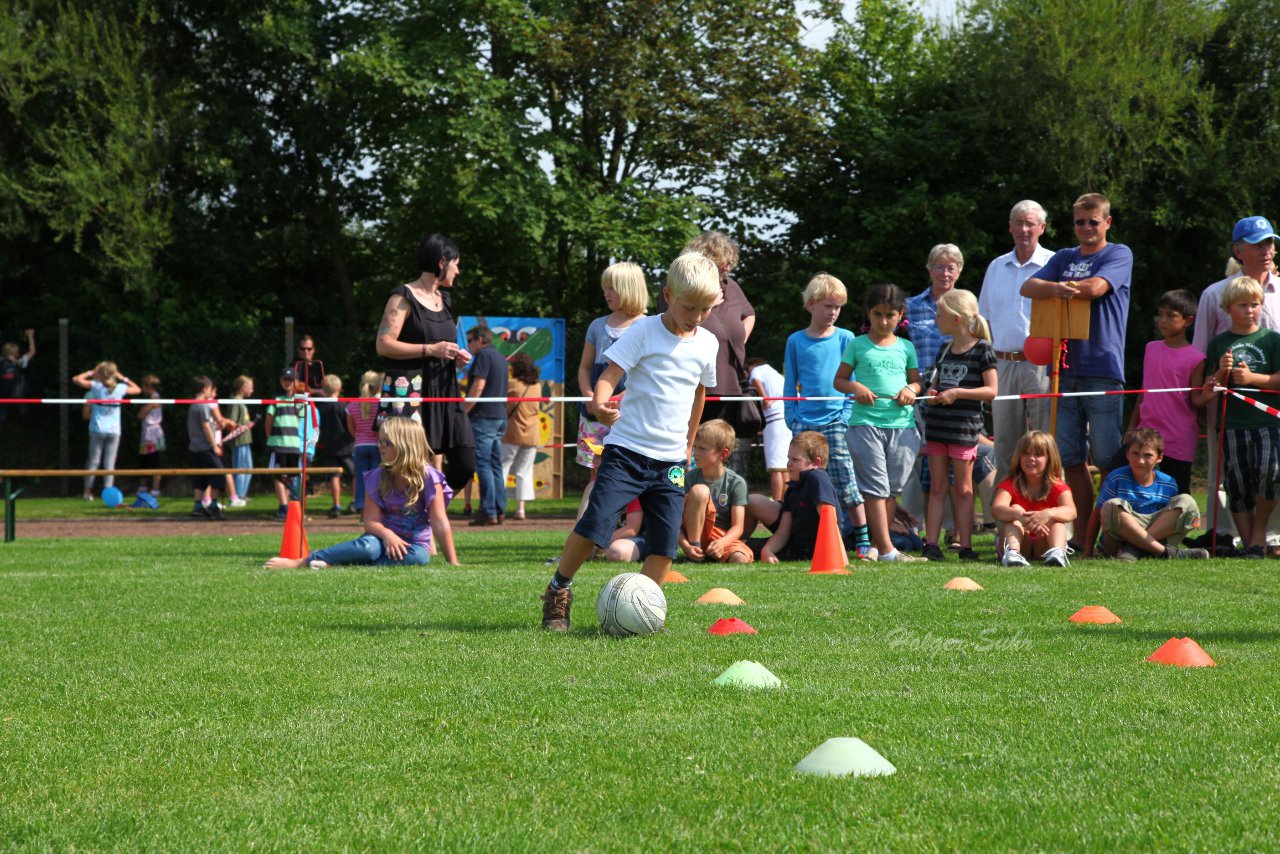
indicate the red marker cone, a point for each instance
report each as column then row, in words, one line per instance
column 829, row 556
column 1095, row 614
column 1182, row 652
column 294, row 543
column 731, row 626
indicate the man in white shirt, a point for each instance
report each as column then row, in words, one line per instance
column 1008, row 313
column 1253, row 245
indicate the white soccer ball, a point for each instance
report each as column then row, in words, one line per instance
column 631, row 604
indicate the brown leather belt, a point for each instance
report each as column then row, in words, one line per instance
column 1010, row 357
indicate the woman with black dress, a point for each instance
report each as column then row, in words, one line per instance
column 418, row 341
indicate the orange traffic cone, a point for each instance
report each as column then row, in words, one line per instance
column 829, row 556
column 294, row 543
column 1182, row 652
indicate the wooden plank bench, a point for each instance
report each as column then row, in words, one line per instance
column 7, row 477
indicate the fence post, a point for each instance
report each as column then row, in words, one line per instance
column 64, row 412
column 288, row 342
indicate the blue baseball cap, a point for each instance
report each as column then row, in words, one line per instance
column 1253, row 229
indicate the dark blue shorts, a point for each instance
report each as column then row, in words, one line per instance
column 623, row 476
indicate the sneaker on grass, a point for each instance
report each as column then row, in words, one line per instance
column 1128, row 554
column 932, row 552
column 867, row 553
column 1056, row 557
column 1013, row 557
column 968, row 554
column 555, row 608
column 1185, row 554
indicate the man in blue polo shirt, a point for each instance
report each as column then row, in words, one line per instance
column 1100, row 272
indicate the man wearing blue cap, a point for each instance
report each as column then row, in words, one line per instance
column 1253, row 245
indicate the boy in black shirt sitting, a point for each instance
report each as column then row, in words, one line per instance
column 794, row 519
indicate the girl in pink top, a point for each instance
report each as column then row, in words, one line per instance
column 1034, row 504
column 362, row 425
column 1172, row 363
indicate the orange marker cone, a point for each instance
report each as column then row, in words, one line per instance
column 719, row 596
column 674, row 577
column 829, row 556
column 294, row 543
column 962, row 582
column 1182, row 652
column 1095, row 614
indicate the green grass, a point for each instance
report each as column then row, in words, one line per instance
column 170, row 694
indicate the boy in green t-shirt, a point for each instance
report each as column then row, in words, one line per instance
column 715, row 503
column 1246, row 357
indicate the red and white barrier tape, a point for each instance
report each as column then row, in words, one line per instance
column 227, row 401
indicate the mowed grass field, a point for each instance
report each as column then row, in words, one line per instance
column 169, row 694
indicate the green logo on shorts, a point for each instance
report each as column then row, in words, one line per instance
column 675, row 474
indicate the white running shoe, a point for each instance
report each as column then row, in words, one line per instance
column 1013, row 557
column 1056, row 557
column 238, row 502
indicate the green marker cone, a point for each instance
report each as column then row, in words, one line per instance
column 845, row 757
column 748, row 674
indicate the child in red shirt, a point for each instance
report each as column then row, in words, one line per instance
column 1034, row 504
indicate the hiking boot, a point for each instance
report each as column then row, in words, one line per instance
column 1056, row 557
column 968, row 554
column 555, row 608
column 932, row 552
column 1013, row 557
column 1128, row 554
column 1185, row 554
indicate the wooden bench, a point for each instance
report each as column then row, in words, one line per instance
column 11, row 495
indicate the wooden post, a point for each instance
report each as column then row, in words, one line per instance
column 1058, row 320
column 64, row 390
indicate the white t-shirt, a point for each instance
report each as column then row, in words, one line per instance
column 769, row 377
column 663, row 374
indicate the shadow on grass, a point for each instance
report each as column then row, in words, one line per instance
column 454, row 626
column 1201, row 637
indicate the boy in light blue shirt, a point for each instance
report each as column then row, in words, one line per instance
column 809, row 370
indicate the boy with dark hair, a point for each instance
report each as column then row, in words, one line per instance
column 1139, row 508
column 284, row 439
column 794, row 519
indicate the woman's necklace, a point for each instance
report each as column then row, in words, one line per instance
column 432, row 299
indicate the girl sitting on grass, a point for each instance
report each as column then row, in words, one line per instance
column 405, row 502
column 1034, row 504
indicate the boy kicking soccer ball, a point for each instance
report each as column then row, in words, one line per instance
column 669, row 362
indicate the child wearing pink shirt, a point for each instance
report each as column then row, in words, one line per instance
column 1172, row 362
